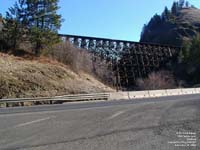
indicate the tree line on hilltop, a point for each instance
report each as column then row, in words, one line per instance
column 168, row 15
column 187, row 69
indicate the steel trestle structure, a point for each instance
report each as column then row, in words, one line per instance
column 129, row 60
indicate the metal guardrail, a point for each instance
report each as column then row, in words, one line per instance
column 105, row 96
column 63, row 98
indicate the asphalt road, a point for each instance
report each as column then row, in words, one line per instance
column 148, row 124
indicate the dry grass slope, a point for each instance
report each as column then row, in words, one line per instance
column 190, row 15
column 42, row 77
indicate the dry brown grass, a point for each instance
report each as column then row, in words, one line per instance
column 20, row 77
column 75, row 58
column 80, row 60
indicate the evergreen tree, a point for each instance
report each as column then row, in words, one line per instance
column 13, row 26
column 175, row 8
column 155, row 20
column 181, row 3
column 190, row 57
column 166, row 14
column 43, row 22
column 1, row 22
column 187, row 4
column 144, row 31
column 37, row 20
column 1, row 33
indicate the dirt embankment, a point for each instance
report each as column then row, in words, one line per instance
column 20, row 77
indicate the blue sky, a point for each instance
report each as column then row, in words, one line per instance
column 116, row 19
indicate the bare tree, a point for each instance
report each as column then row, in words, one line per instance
column 157, row 80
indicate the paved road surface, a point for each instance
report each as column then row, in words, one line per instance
column 149, row 124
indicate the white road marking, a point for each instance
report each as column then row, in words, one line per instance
column 116, row 115
column 32, row 122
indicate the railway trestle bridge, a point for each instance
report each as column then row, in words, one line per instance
column 129, row 60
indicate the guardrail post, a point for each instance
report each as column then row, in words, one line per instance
column 22, row 103
column 149, row 93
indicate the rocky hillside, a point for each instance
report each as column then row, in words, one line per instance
column 20, row 77
column 172, row 27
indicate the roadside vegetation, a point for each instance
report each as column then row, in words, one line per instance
column 38, row 77
column 179, row 26
column 188, row 67
column 82, row 60
column 35, row 62
column 157, row 80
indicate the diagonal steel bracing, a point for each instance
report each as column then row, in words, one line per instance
column 129, row 60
